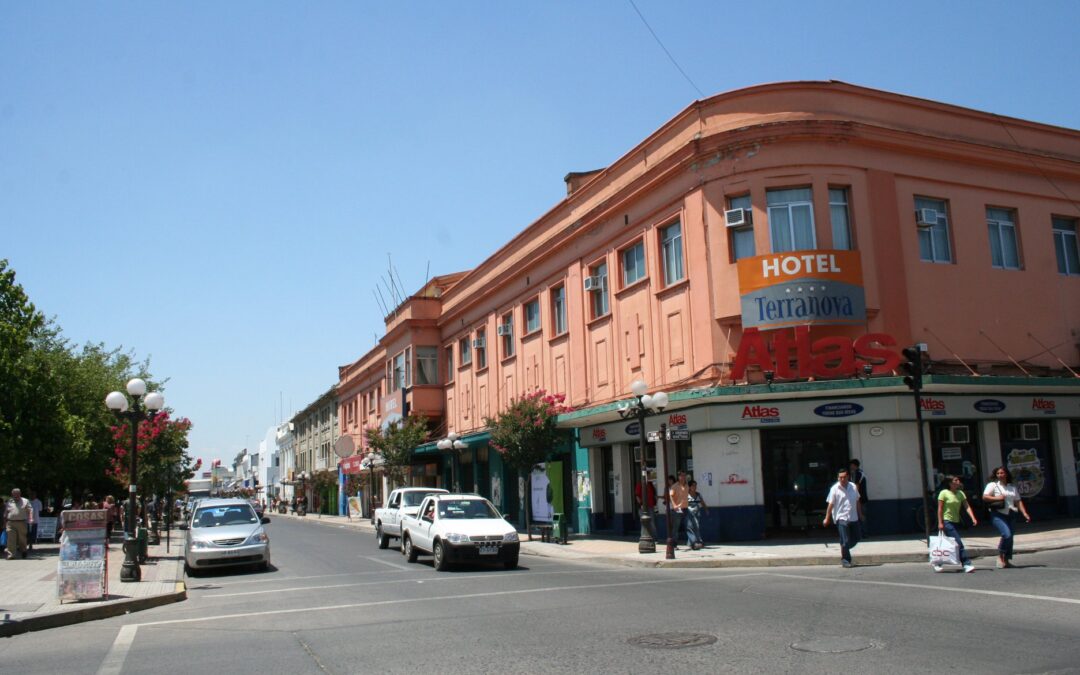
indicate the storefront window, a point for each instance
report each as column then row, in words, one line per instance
column 954, row 451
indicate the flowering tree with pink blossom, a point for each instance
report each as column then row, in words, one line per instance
column 161, row 444
column 525, row 434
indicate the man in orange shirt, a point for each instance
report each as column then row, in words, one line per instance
column 678, row 501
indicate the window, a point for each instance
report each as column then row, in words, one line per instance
column 671, row 248
column 791, row 219
column 408, row 367
column 465, row 351
column 558, row 310
column 1002, row 227
column 633, row 263
column 427, row 365
column 449, row 364
column 599, row 300
column 397, row 381
column 532, row 316
column 741, row 237
column 934, row 239
column 841, row 218
column 1065, row 245
column 507, row 330
column 481, row 348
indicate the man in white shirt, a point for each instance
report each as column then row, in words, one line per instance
column 17, row 517
column 844, row 508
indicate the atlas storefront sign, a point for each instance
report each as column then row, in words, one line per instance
column 802, row 288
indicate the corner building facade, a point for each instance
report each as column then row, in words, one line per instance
column 762, row 258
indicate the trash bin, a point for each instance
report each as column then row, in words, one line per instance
column 141, row 539
column 558, row 528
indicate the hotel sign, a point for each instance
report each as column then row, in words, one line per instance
column 801, row 288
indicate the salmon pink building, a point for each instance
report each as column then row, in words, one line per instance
column 762, row 259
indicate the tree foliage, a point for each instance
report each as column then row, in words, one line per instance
column 56, row 435
column 396, row 443
column 525, row 434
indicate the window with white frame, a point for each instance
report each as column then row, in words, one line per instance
column 671, row 253
column 465, row 351
column 599, row 300
column 741, row 236
column 408, row 366
column 532, row 316
column 840, row 215
column 933, row 229
column 791, row 219
column 427, row 365
column 1004, row 252
column 558, row 310
column 633, row 263
column 449, row 364
column 1066, row 246
column 481, row 348
column 507, row 326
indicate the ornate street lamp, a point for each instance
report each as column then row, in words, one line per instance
column 369, row 463
column 143, row 406
column 644, row 405
column 451, row 442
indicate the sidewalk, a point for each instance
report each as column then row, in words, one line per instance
column 980, row 542
column 28, row 600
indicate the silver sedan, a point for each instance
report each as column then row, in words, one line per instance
column 226, row 533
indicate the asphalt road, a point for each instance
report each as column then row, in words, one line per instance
column 334, row 603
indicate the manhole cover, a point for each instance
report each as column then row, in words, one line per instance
column 833, row 645
column 672, row 640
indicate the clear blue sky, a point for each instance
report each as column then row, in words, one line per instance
column 216, row 185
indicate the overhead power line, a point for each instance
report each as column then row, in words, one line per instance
column 670, row 57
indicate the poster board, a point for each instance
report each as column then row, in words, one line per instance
column 82, row 570
column 46, row 528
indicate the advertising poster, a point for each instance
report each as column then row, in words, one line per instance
column 82, row 570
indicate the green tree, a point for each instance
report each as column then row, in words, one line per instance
column 396, row 443
column 20, row 321
column 525, row 434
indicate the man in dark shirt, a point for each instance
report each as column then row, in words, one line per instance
column 858, row 478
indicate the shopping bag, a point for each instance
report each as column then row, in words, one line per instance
column 3, row 538
column 943, row 550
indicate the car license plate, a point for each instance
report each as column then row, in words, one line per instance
column 231, row 553
column 489, row 549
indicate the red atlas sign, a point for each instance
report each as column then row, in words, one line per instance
column 832, row 356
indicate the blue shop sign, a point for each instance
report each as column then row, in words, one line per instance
column 841, row 409
column 632, row 429
column 989, row 405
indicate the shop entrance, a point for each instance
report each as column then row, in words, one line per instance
column 799, row 465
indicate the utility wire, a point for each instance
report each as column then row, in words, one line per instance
column 672, row 58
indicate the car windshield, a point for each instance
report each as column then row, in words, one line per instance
column 221, row 516
column 413, row 498
column 460, row 509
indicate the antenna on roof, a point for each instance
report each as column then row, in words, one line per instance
column 378, row 299
column 401, row 286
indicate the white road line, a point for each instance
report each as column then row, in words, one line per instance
column 463, row 596
column 386, row 582
column 970, row 591
column 381, row 561
column 114, row 660
column 269, row 579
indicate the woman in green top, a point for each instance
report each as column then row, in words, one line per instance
column 948, row 517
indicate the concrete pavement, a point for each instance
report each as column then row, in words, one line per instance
column 28, row 587
column 980, row 542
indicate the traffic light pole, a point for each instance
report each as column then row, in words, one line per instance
column 913, row 368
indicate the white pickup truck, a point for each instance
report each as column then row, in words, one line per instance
column 459, row 528
column 402, row 502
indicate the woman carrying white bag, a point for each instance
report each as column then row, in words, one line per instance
column 948, row 517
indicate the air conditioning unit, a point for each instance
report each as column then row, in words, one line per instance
column 957, row 434
column 478, row 343
column 506, row 329
column 926, row 217
column 1029, row 432
column 594, row 284
column 738, row 217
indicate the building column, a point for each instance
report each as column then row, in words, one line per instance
column 1065, row 461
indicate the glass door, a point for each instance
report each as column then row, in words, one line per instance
column 799, row 466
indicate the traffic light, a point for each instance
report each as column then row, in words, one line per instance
column 912, row 368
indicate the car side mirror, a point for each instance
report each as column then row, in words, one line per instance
column 264, row 520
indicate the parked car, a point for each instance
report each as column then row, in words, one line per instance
column 401, row 502
column 226, row 533
column 459, row 528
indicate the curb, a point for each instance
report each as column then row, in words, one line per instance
column 91, row 613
